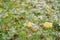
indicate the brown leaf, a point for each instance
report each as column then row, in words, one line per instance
column 48, row 15
column 7, row 28
column 42, row 36
column 14, row 37
column 22, row 17
column 58, row 38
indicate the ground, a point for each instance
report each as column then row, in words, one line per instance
column 29, row 19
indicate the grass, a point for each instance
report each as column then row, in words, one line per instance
column 28, row 19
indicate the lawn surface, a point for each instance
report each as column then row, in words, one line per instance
column 29, row 19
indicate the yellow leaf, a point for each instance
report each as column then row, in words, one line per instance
column 0, row 0
column 48, row 25
column 35, row 18
column 6, row 28
column 3, row 26
column 29, row 24
column 49, row 9
column 6, row 15
column 1, row 9
column 34, row 29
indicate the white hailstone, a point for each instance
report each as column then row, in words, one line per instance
column 18, row 1
column 55, row 17
column 28, row 1
column 48, row 7
column 24, row 24
column 43, row 3
column 33, row 9
column 41, row 17
column 23, row 4
column 15, row 11
column 34, row 18
column 38, row 5
column 59, row 24
column 34, row 1
column 29, row 35
column 59, row 33
column 12, row 0
column 22, row 11
column 32, row 14
column 35, row 26
column 0, row 16
column 13, row 30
